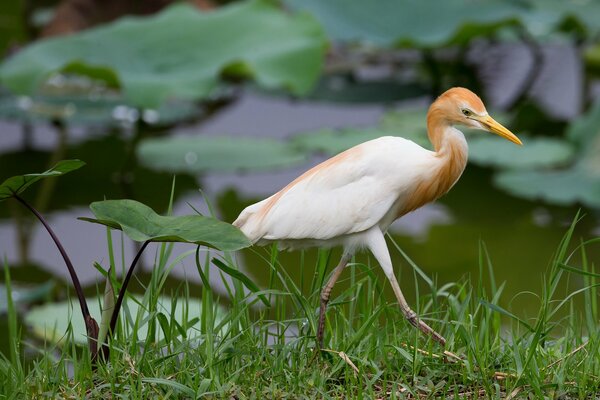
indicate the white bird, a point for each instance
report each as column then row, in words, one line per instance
column 352, row 198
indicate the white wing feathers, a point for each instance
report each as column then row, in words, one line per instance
column 348, row 193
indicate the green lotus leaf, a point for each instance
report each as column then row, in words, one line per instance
column 579, row 183
column 425, row 23
column 201, row 153
column 17, row 184
column 140, row 223
column 51, row 321
column 409, row 124
column 180, row 53
column 536, row 152
column 434, row 24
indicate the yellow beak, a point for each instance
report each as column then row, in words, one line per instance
column 491, row 125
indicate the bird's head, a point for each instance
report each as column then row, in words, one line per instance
column 460, row 106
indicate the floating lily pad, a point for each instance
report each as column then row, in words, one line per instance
column 433, row 24
column 409, row 124
column 23, row 294
column 140, row 223
column 424, row 23
column 181, row 53
column 18, row 184
column 201, row 153
column 546, row 16
column 578, row 184
column 492, row 151
column 51, row 321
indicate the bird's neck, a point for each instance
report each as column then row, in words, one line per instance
column 451, row 150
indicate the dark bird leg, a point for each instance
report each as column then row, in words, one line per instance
column 325, row 296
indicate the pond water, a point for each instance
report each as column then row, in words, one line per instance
column 442, row 238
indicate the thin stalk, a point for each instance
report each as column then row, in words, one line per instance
column 115, row 315
column 90, row 323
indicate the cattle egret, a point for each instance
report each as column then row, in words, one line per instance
column 351, row 199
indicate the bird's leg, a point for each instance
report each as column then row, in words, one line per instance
column 325, row 296
column 411, row 316
column 376, row 243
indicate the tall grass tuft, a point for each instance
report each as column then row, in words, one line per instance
column 236, row 347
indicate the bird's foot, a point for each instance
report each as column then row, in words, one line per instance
column 423, row 327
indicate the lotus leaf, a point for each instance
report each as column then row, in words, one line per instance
column 18, row 184
column 51, row 321
column 180, row 53
column 490, row 150
column 432, row 24
column 425, row 23
column 579, row 183
column 409, row 124
column 201, row 153
column 140, row 223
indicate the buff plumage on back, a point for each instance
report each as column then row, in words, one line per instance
column 349, row 193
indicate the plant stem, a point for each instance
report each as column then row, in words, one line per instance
column 90, row 323
column 115, row 315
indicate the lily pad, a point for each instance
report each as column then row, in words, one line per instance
column 18, row 184
column 434, row 24
column 424, row 23
column 578, row 184
column 201, row 153
column 409, row 124
column 51, row 321
column 181, row 53
column 536, row 152
column 140, row 223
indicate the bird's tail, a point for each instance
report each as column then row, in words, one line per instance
column 249, row 224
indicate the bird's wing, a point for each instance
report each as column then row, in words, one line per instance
column 348, row 193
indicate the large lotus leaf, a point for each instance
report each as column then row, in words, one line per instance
column 586, row 128
column 202, row 153
column 181, row 52
column 18, row 184
column 424, row 23
column 331, row 142
column 490, row 150
column 51, row 321
column 140, row 223
column 409, row 124
column 547, row 16
column 579, row 183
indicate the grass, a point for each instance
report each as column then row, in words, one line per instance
column 250, row 351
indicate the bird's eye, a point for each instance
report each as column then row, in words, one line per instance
column 466, row 113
